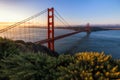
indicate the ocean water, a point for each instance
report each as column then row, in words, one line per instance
column 101, row 41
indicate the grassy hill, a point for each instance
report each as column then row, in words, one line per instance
column 28, row 61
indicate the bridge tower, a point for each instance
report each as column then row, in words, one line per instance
column 88, row 29
column 51, row 28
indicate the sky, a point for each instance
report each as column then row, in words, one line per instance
column 75, row 12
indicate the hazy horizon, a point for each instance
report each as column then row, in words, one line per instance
column 6, row 24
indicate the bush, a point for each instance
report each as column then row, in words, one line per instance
column 28, row 67
column 33, row 66
column 90, row 66
column 81, row 66
column 7, row 47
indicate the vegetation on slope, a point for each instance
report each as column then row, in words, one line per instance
column 9, row 47
column 40, row 66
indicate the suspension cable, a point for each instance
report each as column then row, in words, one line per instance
column 62, row 18
column 23, row 21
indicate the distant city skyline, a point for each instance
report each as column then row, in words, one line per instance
column 75, row 12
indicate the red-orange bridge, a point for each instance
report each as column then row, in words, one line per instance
column 27, row 29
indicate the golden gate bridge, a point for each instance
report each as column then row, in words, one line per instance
column 29, row 28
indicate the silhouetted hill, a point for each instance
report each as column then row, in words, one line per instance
column 9, row 47
column 32, row 47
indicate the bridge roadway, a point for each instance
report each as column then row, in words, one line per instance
column 58, row 37
column 77, row 30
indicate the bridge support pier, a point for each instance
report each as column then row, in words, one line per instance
column 51, row 28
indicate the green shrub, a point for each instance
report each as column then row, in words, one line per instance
column 7, row 47
column 33, row 66
column 28, row 67
column 81, row 66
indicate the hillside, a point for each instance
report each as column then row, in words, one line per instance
column 28, row 61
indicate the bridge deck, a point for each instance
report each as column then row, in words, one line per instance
column 57, row 37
